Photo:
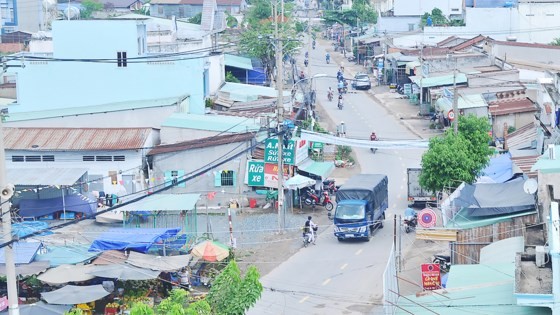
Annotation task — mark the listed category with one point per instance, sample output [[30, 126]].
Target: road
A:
[[345, 277]]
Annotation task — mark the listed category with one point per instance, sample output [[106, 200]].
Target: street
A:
[[345, 277]]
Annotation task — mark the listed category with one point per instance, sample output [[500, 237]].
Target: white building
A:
[[419, 7]]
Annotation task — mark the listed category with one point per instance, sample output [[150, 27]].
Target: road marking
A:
[[304, 299], [343, 266], [358, 252], [326, 281]]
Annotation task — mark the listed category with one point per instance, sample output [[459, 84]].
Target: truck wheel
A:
[[329, 206], [340, 239], [369, 232], [380, 223]]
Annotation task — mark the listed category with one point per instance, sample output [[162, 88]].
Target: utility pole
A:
[[455, 96], [421, 98], [7, 192], [280, 120]]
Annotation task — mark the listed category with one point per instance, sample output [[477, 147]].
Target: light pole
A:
[[309, 93]]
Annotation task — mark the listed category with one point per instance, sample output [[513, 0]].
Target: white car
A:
[[361, 81]]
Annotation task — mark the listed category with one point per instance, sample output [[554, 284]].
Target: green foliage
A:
[[231, 21], [455, 158], [260, 10], [89, 7], [438, 19], [231, 78], [230, 294], [364, 12], [141, 309], [197, 19], [361, 10], [555, 42], [75, 311]]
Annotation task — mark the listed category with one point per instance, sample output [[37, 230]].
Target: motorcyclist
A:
[[309, 228], [328, 57], [302, 75], [340, 101], [306, 62], [313, 44], [373, 136], [340, 87], [306, 55], [330, 93], [339, 75]]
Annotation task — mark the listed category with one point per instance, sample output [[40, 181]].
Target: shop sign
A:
[[431, 277], [271, 152], [255, 173]]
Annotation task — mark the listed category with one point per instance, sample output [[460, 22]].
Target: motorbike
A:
[[306, 62], [330, 186], [443, 261], [328, 60], [340, 105], [410, 223], [312, 199], [351, 58], [307, 236], [330, 96], [313, 45]]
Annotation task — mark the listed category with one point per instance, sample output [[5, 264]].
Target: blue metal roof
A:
[[71, 254], [230, 124], [24, 252]]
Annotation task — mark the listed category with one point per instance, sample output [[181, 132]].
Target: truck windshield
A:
[[350, 212]]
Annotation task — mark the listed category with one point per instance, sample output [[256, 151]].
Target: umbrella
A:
[[73, 294], [210, 251], [123, 272], [40, 308], [298, 182], [66, 273], [161, 263]]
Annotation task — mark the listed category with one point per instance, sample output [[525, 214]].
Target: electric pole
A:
[[280, 118], [455, 96]]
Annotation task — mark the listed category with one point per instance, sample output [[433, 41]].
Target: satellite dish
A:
[[530, 186]]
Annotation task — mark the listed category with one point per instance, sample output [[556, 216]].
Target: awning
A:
[[320, 169], [298, 182], [66, 273], [40, 207], [136, 239], [25, 228], [159, 263], [24, 252], [71, 254], [443, 80], [44, 176], [123, 272], [72, 294], [110, 257], [30, 269], [164, 202]]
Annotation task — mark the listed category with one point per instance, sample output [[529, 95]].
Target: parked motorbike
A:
[[329, 185], [410, 222], [312, 199], [443, 261], [351, 58]]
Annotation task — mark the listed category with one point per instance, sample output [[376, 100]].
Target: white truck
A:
[[416, 195]]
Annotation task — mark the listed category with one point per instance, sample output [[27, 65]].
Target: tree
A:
[[89, 7], [438, 19], [230, 294], [555, 42], [231, 78], [197, 19], [455, 158]]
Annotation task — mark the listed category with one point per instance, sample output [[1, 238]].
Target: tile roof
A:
[[120, 3], [519, 44], [58, 139], [447, 40], [522, 136], [511, 106], [525, 163], [468, 43], [202, 143]]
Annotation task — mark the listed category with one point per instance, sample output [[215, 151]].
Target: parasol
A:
[[73, 294], [210, 251], [123, 272]]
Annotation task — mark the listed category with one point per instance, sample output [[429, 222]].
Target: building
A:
[[418, 8], [189, 8], [510, 111], [72, 76]]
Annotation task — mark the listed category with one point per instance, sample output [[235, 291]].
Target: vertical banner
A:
[[431, 277]]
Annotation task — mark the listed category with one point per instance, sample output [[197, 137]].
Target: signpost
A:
[[431, 277]]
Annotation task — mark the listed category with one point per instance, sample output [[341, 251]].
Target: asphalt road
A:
[[345, 277]]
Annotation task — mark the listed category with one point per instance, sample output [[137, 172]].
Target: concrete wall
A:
[[419, 7], [443, 64], [47, 85], [515, 120], [550, 55], [29, 15], [193, 160], [539, 22], [397, 23], [492, 78], [545, 180]]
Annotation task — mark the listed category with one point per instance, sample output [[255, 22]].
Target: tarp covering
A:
[[360, 143], [164, 202], [500, 169], [123, 272], [72, 294], [30, 269], [370, 187], [41, 207], [71, 254], [161, 263], [66, 273], [41, 308], [495, 199], [24, 252], [22, 229], [134, 239]]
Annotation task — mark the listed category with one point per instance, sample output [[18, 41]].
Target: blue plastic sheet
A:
[[137, 239]]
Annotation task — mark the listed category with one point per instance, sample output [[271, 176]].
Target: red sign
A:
[[3, 303], [451, 115], [431, 277]]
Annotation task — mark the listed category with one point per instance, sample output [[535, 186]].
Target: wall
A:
[[216, 68], [492, 78], [174, 135], [545, 198], [419, 7], [194, 160], [397, 23], [179, 10], [443, 64], [515, 120], [550, 55], [29, 15], [51, 85], [535, 19]]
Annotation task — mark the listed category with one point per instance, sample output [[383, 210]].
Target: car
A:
[[361, 81]]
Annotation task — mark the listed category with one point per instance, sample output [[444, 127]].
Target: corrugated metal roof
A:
[[511, 106], [439, 81], [63, 139], [240, 92], [44, 176], [202, 143], [522, 136], [164, 202], [238, 62], [219, 123]]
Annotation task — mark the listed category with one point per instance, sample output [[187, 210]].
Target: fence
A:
[[390, 285]]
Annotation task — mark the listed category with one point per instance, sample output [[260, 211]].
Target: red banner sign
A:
[[431, 277], [3, 303]]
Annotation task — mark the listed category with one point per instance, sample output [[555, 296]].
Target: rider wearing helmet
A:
[[310, 227]]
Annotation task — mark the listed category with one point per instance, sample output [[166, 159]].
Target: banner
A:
[[431, 277]]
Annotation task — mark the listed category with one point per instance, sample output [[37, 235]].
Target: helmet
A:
[[342, 123], [309, 218]]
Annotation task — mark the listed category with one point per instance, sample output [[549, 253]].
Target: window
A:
[[160, 9], [118, 158], [173, 178], [227, 178], [454, 10], [17, 158], [88, 158], [411, 26], [48, 158], [103, 158], [32, 158], [121, 58], [114, 178]]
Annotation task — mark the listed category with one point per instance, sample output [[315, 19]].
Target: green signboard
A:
[[255, 173], [317, 145], [271, 152]]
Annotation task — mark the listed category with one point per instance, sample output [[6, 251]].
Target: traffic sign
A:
[[428, 218], [451, 115]]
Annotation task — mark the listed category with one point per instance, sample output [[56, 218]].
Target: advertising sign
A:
[[3, 303], [255, 173], [302, 151], [271, 175], [431, 277], [271, 152], [407, 88]]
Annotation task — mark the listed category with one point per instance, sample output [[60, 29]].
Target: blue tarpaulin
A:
[[134, 239], [22, 229], [500, 168], [24, 252], [71, 255], [40, 207]]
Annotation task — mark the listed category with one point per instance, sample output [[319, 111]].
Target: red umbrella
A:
[[210, 251]]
